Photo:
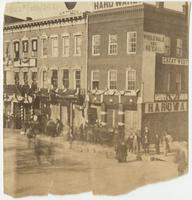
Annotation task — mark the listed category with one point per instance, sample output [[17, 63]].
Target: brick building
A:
[[137, 58], [47, 55]]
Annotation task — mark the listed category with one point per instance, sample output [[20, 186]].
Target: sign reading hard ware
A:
[[165, 107], [154, 42], [174, 61], [100, 5]]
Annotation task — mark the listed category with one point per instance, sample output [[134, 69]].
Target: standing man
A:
[[146, 140]]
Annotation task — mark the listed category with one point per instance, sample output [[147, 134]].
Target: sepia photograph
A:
[[95, 96]]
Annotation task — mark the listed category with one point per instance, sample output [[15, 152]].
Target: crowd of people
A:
[[138, 143]]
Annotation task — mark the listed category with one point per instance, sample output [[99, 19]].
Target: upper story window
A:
[[66, 45], [16, 50], [131, 42], [77, 79], [54, 46], [25, 46], [44, 49], [94, 80], [34, 47], [96, 42], [54, 78], [112, 79], [167, 46], [112, 49], [131, 79], [66, 78], [78, 43], [178, 81], [179, 47]]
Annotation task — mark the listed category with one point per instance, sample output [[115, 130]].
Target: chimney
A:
[[28, 19], [159, 4]]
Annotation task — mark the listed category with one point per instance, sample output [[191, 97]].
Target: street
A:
[[83, 168]]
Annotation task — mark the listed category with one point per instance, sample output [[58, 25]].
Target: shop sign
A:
[[26, 62], [100, 5], [174, 61], [154, 42], [166, 107], [171, 97]]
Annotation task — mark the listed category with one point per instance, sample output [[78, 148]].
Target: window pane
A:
[[66, 78], [78, 41], [131, 42], [78, 79], [96, 44], [112, 79], [25, 46], [112, 44], [131, 80], [66, 45], [55, 46]]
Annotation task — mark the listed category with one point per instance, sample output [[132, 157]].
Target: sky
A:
[[44, 9]]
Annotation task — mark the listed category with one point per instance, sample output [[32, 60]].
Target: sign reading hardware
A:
[[164, 107], [109, 5], [174, 61]]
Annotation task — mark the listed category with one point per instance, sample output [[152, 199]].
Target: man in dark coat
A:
[[121, 152], [146, 140]]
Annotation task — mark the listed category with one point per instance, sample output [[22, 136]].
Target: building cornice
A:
[[58, 21]]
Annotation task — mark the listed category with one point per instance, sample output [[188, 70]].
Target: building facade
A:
[[49, 57], [124, 65], [137, 55]]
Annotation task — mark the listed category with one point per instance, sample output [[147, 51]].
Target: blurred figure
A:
[[130, 142], [146, 140], [30, 135], [181, 159], [59, 127], [167, 141], [157, 143], [135, 143], [121, 152]]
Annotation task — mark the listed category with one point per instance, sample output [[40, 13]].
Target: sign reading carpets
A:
[[164, 107], [154, 42], [110, 5], [174, 61]]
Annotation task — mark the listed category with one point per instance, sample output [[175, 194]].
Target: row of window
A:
[[54, 78], [95, 79], [96, 46], [113, 44], [112, 79], [132, 45], [44, 47]]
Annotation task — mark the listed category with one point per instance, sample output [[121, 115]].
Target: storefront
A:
[[168, 115]]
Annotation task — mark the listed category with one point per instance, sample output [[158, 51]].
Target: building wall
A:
[[167, 22], [60, 62], [117, 22]]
